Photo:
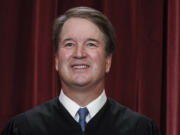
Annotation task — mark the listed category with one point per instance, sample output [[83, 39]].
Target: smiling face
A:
[[81, 59]]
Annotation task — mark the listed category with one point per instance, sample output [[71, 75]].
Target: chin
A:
[[81, 84]]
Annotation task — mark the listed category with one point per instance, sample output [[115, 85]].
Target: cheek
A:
[[56, 63], [99, 60], [63, 55], [60, 61]]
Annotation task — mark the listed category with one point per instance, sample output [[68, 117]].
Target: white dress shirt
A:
[[93, 107]]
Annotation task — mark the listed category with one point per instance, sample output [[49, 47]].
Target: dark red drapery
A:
[[173, 68], [145, 73]]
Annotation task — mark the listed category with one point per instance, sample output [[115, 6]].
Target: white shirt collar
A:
[[93, 107]]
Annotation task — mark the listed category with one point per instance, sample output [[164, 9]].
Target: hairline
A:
[[86, 18]]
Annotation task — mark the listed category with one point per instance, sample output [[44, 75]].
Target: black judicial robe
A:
[[51, 118]]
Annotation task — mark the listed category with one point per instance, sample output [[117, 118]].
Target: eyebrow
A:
[[92, 39], [89, 39], [67, 39]]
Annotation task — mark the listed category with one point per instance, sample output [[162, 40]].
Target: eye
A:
[[68, 44], [92, 44]]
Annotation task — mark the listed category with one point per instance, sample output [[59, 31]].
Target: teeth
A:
[[80, 66]]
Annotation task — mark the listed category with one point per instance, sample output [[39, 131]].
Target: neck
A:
[[83, 96]]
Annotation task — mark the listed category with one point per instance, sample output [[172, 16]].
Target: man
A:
[[84, 43]]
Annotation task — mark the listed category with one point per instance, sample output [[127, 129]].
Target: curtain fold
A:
[[26, 56], [173, 68]]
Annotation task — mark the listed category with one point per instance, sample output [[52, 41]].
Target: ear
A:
[[108, 62], [56, 63]]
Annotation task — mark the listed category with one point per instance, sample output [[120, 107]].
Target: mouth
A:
[[83, 66]]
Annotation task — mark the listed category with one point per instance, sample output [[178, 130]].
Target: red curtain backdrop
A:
[[145, 73], [173, 68]]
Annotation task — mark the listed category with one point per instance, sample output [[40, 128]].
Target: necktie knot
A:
[[82, 116]]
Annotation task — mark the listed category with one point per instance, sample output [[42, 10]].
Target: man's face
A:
[[81, 60]]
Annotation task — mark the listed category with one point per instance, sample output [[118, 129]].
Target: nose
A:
[[79, 52]]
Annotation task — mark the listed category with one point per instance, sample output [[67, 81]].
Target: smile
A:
[[80, 66]]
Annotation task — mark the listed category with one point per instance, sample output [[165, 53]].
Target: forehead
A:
[[80, 28]]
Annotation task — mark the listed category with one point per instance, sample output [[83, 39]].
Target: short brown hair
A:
[[94, 16]]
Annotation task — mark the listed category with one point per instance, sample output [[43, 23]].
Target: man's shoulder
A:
[[125, 113], [127, 121], [45, 109], [27, 122]]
